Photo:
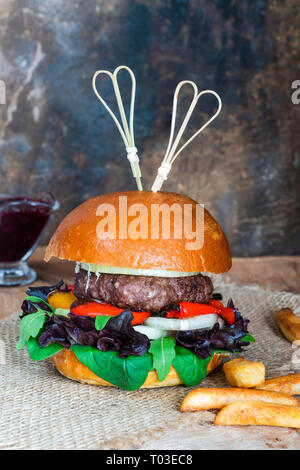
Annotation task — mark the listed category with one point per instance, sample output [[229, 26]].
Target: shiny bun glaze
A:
[[76, 239]]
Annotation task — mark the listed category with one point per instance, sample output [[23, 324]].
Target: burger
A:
[[142, 311]]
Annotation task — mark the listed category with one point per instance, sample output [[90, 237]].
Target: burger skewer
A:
[[127, 132]]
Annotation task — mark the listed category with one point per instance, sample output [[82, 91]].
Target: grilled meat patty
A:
[[142, 293]]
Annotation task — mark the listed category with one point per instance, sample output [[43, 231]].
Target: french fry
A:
[[245, 413], [243, 373], [289, 325], [289, 384], [216, 398]]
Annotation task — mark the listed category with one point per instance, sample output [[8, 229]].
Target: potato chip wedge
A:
[[240, 372], [216, 398], [289, 384], [289, 324], [244, 413]]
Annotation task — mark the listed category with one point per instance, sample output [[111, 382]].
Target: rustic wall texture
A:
[[55, 135]]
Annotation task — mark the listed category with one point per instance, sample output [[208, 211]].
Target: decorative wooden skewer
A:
[[126, 131], [171, 154]]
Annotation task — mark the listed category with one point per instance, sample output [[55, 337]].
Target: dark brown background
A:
[[56, 136]]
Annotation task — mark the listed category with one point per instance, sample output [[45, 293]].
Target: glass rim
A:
[[45, 199]]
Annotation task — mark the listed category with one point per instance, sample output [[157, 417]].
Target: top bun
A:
[[76, 238]]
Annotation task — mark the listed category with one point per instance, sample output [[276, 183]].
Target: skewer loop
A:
[[126, 131], [171, 154]]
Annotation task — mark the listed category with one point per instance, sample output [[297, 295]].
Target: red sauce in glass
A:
[[22, 220]]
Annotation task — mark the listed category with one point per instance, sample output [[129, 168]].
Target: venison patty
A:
[[142, 293]]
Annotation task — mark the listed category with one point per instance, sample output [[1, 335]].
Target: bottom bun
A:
[[68, 365]]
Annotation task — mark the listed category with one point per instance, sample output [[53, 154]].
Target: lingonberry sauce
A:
[[22, 220]]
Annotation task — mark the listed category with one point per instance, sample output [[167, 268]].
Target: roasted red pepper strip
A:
[[191, 309], [216, 303], [226, 312], [93, 309]]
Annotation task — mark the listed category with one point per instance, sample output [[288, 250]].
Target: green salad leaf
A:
[[37, 353], [163, 353], [190, 368], [249, 338], [30, 326], [127, 373], [100, 321]]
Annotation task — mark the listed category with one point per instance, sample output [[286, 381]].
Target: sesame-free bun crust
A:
[[68, 365], [76, 238]]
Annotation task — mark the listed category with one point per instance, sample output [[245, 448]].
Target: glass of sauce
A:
[[23, 220]]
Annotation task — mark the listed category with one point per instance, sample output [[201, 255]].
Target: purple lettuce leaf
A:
[[69, 330], [28, 307], [119, 335], [203, 342], [43, 291]]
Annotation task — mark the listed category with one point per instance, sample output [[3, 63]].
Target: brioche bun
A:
[[76, 238], [68, 365]]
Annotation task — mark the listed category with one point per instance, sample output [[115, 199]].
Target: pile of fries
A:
[[270, 403], [241, 406]]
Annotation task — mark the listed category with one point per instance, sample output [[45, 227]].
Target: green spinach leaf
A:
[[127, 373], [30, 326], [100, 321], [190, 368], [249, 338], [163, 353], [37, 353]]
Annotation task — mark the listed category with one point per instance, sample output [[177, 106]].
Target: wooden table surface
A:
[[279, 273]]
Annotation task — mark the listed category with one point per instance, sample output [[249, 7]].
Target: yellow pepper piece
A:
[[61, 299]]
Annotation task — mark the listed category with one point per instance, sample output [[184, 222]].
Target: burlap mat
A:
[[42, 410]]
